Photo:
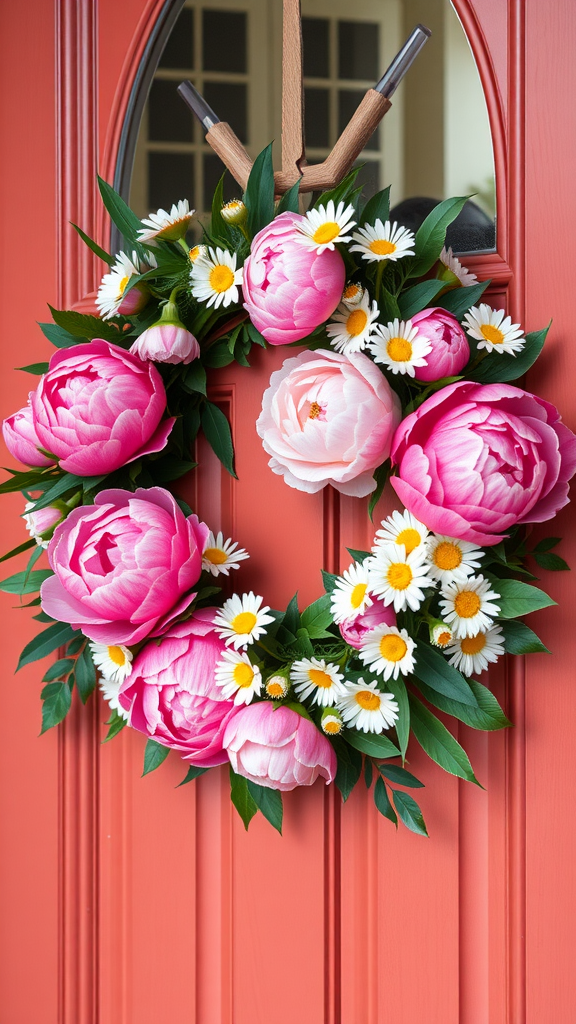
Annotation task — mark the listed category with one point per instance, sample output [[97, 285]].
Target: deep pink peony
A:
[[475, 459], [124, 566], [99, 407], [450, 348], [278, 748], [288, 289], [22, 440], [354, 630], [328, 419], [172, 696], [166, 343]]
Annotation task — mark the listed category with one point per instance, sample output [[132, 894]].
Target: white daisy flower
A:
[[234, 212], [316, 678], [472, 654], [110, 691], [383, 241], [468, 606], [399, 347], [241, 620], [455, 273], [214, 278], [366, 708], [452, 559], [401, 528], [440, 634], [352, 295], [113, 285], [350, 597], [331, 722], [492, 330], [197, 252], [388, 651], [397, 577], [219, 556], [237, 677], [113, 663], [351, 329], [277, 686], [167, 226], [322, 228]]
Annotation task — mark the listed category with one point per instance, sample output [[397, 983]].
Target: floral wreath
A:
[[405, 377]]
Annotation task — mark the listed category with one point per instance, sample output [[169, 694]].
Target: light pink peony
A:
[[354, 630], [288, 289], [278, 748], [166, 343], [475, 459], [124, 566], [172, 696], [450, 348], [99, 407], [328, 419], [21, 439]]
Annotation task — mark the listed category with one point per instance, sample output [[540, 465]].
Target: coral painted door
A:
[[128, 901]]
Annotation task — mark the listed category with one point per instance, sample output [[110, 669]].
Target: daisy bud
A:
[[234, 212], [278, 684], [352, 295], [167, 341], [197, 252], [41, 524], [331, 722], [440, 634]]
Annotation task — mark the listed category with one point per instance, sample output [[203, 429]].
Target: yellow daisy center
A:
[[122, 285], [326, 232], [356, 322], [314, 411], [221, 278], [473, 644], [368, 700], [492, 334], [332, 725], [194, 253], [443, 639], [358, 594], [244, 622], [399, 349], [392, 647], [275, 689], [243, 674], [399, 575], [320, 678], [351, 291], [215, 555], [467, 604], [116, 654], [381, 247], [447, 555], [410, 538]]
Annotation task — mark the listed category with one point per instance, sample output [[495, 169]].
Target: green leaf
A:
[[381, 476], [358, 555], [382, 802], [547, 543], [289, 201], [218, 226], [377, 208], [259, 194], [97, 249], [368, 772], [18, 550], [60, 668], [241, 798], [83, 325], [341, 192], [349, 767], [154, 755], [500, 367], [550, 561], [76, 644], [217, 432], [372, 744], [329, 581], [409, 812], [67, 482], [194, 377], [316, 617], [35, 368], [459, 300], [488, 716], [19, 584], [400, 776], [32, 480], [45, 642], [418, 297], [520, 639], [59, 337], [518, 598], [291, 620], [116, 723], [397, 688], [57, 698], [269, 802], [85, 674], [431, 234], [192, 773], [126, 221], [438, 743], [433, 669]]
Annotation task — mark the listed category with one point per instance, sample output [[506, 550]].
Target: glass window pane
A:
[[170, 178], [369, 177], [224, 41], [316, 47], [348, 100], [169, 119], [316, 111], [179, 49], [358, 50], [213, 170], [229, 101]]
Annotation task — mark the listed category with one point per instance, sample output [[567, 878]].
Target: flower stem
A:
[[379, 274]]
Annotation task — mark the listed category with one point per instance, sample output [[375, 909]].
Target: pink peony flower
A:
[[450, 348], [124, 567], [354, 630], [288, 289], [171, 694], [166, 343], [328, 419], [21, 439], [99, 407], [476, 459], [278, 748]]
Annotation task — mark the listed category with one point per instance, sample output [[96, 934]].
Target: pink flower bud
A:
[[166, 343], [450, 349], [41, 524], [21, 439]]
